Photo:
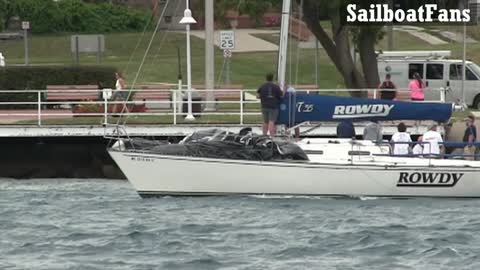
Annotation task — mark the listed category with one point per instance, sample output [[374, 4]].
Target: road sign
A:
[[227, 40], [25, 25], [227, 53]]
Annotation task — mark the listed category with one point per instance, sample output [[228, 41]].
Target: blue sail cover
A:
[[316, 108]]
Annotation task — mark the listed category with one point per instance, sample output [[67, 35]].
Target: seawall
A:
[[65, 157]]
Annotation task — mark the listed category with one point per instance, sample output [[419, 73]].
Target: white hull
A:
[[153, 175]]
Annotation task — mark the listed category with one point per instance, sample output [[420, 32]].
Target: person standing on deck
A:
[[270, 96], [470, 137], [416, 88]]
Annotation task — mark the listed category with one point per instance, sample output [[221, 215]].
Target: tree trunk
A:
[[366, 46], [338, 48]]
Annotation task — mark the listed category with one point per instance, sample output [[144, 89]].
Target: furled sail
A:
[[298, 108]]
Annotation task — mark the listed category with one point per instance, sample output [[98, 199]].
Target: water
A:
[[101, 224]]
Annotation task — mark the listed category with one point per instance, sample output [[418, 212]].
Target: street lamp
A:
[[187, 20]]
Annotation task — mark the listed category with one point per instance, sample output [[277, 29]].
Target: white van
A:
[[437, 70]]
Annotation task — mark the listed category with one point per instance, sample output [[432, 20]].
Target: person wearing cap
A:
[[470, 137], [431, 140]]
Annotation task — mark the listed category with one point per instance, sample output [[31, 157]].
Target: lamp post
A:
[[188, 20]]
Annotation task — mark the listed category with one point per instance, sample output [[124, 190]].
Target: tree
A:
[[338, 46]]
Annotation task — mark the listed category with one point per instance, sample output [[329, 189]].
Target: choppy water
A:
[[101, 224]]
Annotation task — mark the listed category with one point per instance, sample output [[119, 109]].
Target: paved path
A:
[[419, 33], [245, 41], [13, 116], [456, 37]]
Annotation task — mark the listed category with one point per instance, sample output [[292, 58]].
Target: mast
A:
[[282, 50]]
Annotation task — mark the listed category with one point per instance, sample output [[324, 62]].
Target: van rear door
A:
[[435, 79]]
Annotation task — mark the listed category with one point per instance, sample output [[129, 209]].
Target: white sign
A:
[[25, 25], [227, 40], [227, 53], [87, 43]]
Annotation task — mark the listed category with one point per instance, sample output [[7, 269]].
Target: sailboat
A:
[[221, 163]]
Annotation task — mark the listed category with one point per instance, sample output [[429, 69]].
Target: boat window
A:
[[313, 152], [359, 153], [412, 68], [435, 71], [456, 73]]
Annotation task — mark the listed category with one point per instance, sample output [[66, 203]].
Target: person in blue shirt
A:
[[346, 130], [270, 96]]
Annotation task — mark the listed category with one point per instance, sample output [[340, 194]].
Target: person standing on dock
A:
[[270, 96], [470, 137], [120, 94], [2, 60], [387, 89], [416, 87]]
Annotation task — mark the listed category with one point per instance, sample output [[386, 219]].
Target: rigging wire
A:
[[300, 32], [130, 59], [124, 107], [219, 78], [164, 37]]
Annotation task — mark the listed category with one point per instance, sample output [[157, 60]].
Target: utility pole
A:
[[209, 56], [390, 29]]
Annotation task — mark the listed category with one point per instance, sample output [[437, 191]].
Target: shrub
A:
[[38, 77], [48, 16]]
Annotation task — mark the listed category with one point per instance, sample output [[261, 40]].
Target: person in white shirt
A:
[[431, 139], [401, 141], [417, 150], [2, 60]]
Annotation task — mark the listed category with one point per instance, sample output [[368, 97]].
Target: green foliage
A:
[[47, 16], [38, 77]]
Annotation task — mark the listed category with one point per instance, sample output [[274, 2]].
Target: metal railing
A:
[[44, 107]]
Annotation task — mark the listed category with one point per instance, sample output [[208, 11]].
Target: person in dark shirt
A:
[[470, 137], [390, 94], [270, 96], [345, 130]]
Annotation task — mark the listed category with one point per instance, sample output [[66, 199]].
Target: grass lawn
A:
[[161, 63]]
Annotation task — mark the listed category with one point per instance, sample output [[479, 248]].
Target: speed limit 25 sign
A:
[[227, 40]]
